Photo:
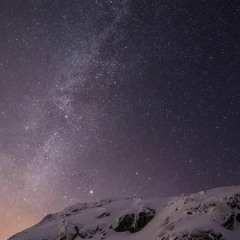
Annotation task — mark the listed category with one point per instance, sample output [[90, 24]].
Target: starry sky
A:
[[115, 98]]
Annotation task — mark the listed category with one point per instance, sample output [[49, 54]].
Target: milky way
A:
[[113, 99]]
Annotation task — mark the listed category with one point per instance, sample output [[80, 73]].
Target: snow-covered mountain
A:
[[210, 215]]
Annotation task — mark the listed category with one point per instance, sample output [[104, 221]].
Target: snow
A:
[[175, 218]]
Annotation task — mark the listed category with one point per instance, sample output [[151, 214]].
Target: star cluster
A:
[[105, 98]]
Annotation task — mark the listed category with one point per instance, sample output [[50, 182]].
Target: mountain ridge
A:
[[207, 215]]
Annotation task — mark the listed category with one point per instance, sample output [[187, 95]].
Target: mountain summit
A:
[[206, 215]]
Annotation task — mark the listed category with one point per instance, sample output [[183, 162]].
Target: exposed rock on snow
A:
[[198, 235], [135, 222], [207, 215], [223, 215]]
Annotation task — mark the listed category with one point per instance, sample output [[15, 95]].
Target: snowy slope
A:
[[210, 215]]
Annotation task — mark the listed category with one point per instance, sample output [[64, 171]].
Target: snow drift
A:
[[207, 215]]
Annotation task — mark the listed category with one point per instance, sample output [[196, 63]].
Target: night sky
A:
[[115, 98]]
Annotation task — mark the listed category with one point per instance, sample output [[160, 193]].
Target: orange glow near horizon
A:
[[15, 219]]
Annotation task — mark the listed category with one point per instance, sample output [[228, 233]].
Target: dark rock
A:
[[106, 214], [86, 233], [224, 215], [125, 223], [229, 224], [75, 210], [135, 222], [201, 235], [196, 235], [49, 217], [64, 236], [216, 236], [238, 217], [233, 201]]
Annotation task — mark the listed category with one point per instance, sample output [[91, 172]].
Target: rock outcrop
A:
[[133, 222]]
